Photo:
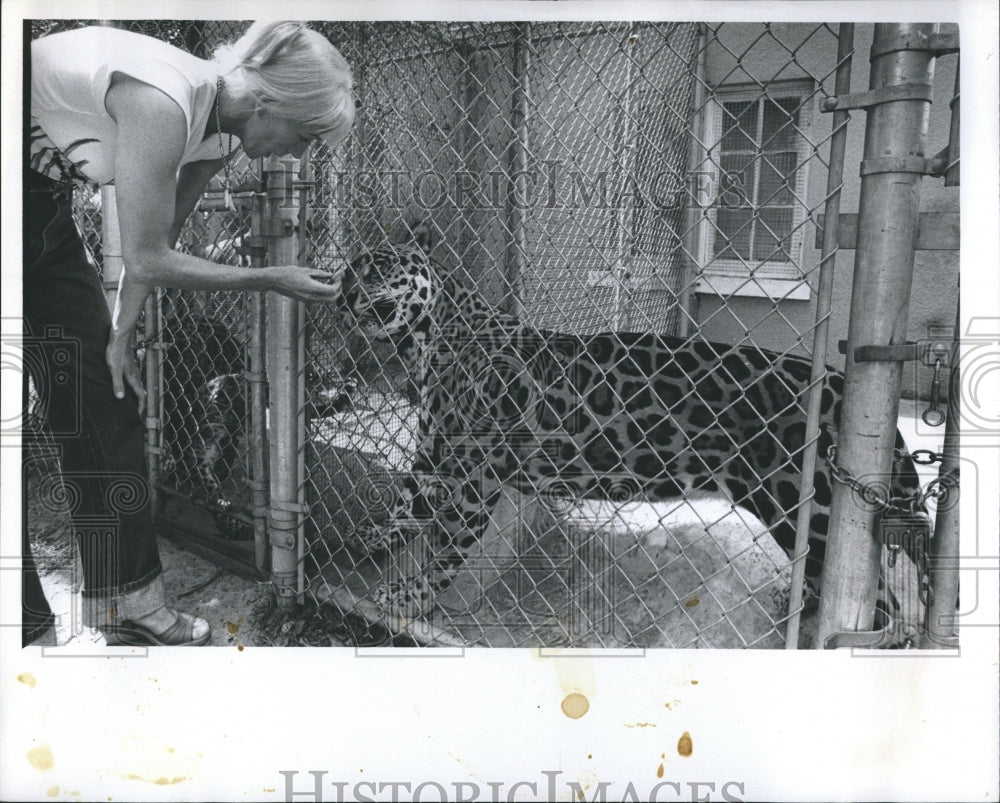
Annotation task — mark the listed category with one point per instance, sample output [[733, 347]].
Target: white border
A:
[[221, 725]]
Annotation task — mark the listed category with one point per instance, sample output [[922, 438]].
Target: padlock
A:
[[904, 531]]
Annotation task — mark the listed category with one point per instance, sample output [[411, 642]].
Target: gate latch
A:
[[928, 353]]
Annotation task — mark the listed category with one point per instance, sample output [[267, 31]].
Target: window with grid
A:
[[758, 150]]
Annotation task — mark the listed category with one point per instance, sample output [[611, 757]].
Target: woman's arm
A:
[[132, 295], [191, 182], [151, 140]]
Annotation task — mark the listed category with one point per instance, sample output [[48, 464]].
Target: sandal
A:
[[179, 634]]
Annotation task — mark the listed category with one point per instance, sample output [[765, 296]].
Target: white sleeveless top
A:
[[73, 138]]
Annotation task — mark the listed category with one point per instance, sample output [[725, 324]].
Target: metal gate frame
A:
[[897, 103]]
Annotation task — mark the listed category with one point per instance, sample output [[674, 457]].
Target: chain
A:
[[922, 457], [938, 489]]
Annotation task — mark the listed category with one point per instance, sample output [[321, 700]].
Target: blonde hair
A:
[[291, 71]]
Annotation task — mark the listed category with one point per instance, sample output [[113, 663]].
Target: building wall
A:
[[934, 294]]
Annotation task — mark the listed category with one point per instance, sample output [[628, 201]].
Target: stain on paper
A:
[[685, 746], [576, 679], [575, 705], [158, 781], [27, 679], [41, 758]]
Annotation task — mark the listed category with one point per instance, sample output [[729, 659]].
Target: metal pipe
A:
[[420, 630], [943, 550], [257, 381], [154, 420], [516, 267], [283, 316], [895, 133], [693, 215], [953, 168], [625, 210], [301, 436], [821, 331]]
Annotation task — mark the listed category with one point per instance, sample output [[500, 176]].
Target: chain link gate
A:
[[206, 350], [565, 172]]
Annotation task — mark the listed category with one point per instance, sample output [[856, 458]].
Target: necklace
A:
[[226, 154]]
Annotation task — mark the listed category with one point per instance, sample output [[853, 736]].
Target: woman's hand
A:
[[304, 284], [121, 360]]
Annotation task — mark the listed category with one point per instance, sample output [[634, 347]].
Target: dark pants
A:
[[100, 439]]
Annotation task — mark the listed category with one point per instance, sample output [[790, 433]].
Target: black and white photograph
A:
[[514, 401]]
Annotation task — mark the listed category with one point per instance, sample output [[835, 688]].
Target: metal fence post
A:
[[257, 383], [625, 221], [153, 335], [521, 112], [824, 307], [942, 624], [697, 154], [894, 161], [283, 324]]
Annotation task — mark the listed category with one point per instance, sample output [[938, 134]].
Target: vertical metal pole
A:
[[257, 381], [625, 211], [895, 141], [953, 169], [283, 316], [154, 422], [692, 215], [824, 305], [943, 551], [301, 442], [942, 624], [519, 194]]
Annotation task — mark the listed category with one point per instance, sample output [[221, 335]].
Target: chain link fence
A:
[[586, 180]]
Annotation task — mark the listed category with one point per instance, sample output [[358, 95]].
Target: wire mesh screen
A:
[[566, 186], [611, 149]]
